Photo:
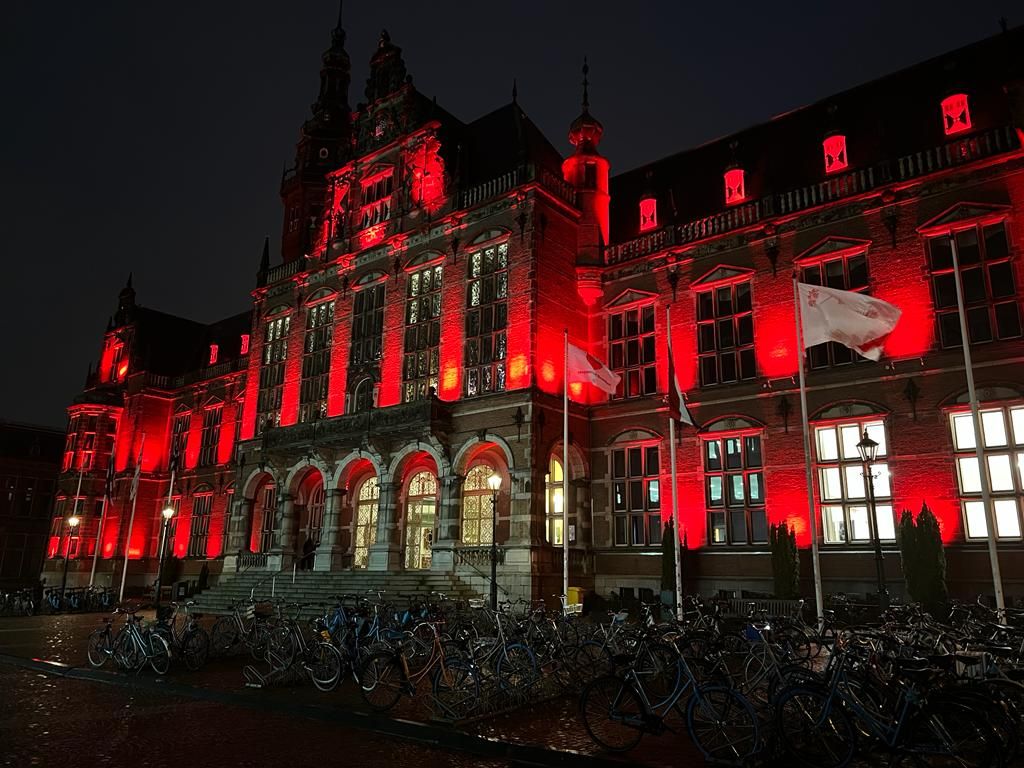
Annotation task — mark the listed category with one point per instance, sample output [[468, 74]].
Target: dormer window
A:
[[956, 116], [835, 153], [735, 186], [648, 214], [244, 346], [376, 200], [214, 352]]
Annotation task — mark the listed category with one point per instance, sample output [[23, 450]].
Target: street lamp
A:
[[868, 449], [168, 513], [494, 483], [73, 522]]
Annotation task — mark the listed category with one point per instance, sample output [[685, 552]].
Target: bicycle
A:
[[185, 637], [319, 660]]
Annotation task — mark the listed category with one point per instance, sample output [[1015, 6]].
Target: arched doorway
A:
[[310, 504], [420, 519], [264, 512], [365, 520]]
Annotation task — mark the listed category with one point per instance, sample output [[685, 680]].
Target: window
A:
[[376, 200], [87, 454], [264, 511], [631, 341], [211, 436], [648, 214], [199, 532], [835, 153], [244, 344], [422, 334], [316, 361], [420, 517], [69, 445], [553, 502], [956, 115], [848, 273], [362, 400], [636, 495], [989, 291], [477, 516], [214, 353], [1003, 449], [367, 325], [725, 334], [842, 487], [734, 490], [367, 501], [735, 188], [316, 505], [179, 437], [486, 318], [271, 384]]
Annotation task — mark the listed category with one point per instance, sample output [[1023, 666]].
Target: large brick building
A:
[[408, 344]]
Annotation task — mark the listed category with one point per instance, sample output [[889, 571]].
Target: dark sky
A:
[[151, 136]]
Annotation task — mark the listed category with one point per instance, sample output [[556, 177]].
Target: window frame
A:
[[425, 332], [317, 343], [485, 344], [475, 487], [831, 354], [213, 417], [742, 352], [273, 361], [638, 378], [625, 517], [745, 470], [199, 524]]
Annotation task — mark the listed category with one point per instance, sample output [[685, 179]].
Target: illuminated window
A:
[[554, 501], [989, 290], [734, 490], [214, 352], [842, 488], [244, 344], [179, 436], [420, 519], [376, 200], [211, 436], [725, 334], [1003, 449], [477, 527], [367, 500], [271, 384], [848, 273], [69, 445], [956, 116], [631, 344], [835, 153], [316, 361], [422, 334], [199, 525], [367, 325], [648, 214], [735, 187], [486, 319], [636, 495]]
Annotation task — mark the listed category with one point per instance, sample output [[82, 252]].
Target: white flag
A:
[[587, 368], [854, 320]]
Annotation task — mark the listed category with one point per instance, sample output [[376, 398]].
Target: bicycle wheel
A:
[[223, 636], [381, 680], [722, 724], [456, 689], [100, 647], [812, 730], [195, 648], [280, 648], [612, 713], [324, 665], [592, 661], [127, 654], [949, 734], [659, 671], [517, 668], [159, 653]]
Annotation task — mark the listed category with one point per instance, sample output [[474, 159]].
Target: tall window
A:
[[211, 436], [422, 334], [179, 437], [554, 502], [631, 338], [734, 490], [69, 445], [275, 352], [376, 200], [316, 361], [849, 273], [477, 520], [989, 291], [725, 334], [264, 510], [636, 495], [367, 325], [88, 451], [843, 487], [420, 517], [367, 501], [199, 532], [315, 508], [486, 319], [1003, 448]]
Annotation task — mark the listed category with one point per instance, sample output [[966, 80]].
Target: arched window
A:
[[477, 516], [553, 501], [199, 528], [420, 514], [367, 500], [363, 399], [264, 510], [315, 510]]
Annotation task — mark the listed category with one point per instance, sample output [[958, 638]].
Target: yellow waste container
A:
[[575, 595]]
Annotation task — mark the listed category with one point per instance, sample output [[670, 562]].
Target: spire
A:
[[586, 83], [335, 76], [125, 300], [387, 69], [586, 130], [265, 258], [338, 29], [515, 92]]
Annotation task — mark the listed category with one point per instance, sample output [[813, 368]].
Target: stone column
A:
[[329, 555], [449, 527], [386, 553], [238, 526]]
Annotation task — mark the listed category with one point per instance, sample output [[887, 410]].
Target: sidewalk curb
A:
[[407, 730]]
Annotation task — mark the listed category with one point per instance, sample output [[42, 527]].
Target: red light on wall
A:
[[373, 235], [648, 214], [214, 351], [735, 188], [245, 345], [956, 116], [122, 370], [835, 153]]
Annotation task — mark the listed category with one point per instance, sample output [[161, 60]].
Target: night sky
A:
[[150, 137]]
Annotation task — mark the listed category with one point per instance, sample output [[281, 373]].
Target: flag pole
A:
[[565, 470], [986, 494], [99, 537], [131, 519], [675, 480], [819, 603]]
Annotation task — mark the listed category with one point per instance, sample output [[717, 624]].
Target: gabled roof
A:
[[502, 141]]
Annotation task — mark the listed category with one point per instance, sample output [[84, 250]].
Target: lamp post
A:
[[73, 522], [168, 513], [494, 483], [868, 449]]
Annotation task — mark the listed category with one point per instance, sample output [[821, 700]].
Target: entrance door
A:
[[420, 519]]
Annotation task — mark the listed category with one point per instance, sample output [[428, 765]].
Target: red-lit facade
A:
[[410, 342]]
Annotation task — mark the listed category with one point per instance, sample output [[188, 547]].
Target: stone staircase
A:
[[321, 587]]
